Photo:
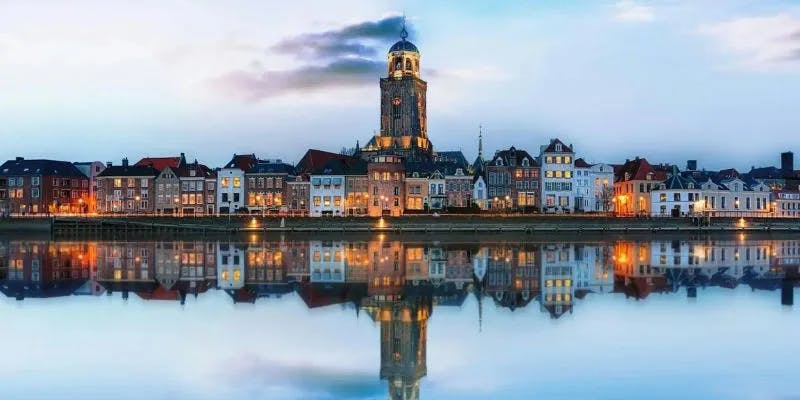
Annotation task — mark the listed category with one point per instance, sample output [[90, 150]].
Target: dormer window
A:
[[558, 146], [525, 162], [499, 162], [663, 186], [691, 186]]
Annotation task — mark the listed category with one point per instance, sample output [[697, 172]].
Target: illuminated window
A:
[[237, 182], [237, 274], [558, 160], [567, 160], [548, 160], [224, 182], [567, 282], [117, 182]]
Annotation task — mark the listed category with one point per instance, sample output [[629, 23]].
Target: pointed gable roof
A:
[[553, 147], [637, 170], [676, 181], [513, 157]]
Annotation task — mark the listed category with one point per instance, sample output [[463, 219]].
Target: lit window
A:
[[237, 182]]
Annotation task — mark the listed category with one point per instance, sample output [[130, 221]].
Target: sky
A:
[[670, 80]]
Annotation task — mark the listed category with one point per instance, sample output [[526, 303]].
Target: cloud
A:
[[341, 58], [358, 40], [765, 42], [254, 86], [631, 11]]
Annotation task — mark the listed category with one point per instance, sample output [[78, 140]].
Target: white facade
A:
[[479, 194], [787, 204], [437, 194], [592, 270], [582, 184], [327, 195], [327, 261], [230, 266], [733, 198], [557, 171], [674, 202], [230, 190], [601, 177]]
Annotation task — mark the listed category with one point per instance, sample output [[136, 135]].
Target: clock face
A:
[[396, 101]]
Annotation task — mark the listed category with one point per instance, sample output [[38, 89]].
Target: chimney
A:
[[20, 158], [108, 164], [691, 165], [125, 162]]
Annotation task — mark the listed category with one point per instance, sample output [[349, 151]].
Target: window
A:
[[316, 201], [35, 181], [548, 174], [326, 200], [237, 182], [224, 182], [568, 174], [676, 197], [662, 197], [567, 160], [35, 193], [143, 182], [117, 183], [337, 201]]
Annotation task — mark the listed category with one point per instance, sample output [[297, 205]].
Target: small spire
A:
[[404, 32], [480, 141]]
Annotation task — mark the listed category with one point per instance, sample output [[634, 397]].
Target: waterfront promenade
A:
[[418, 223]]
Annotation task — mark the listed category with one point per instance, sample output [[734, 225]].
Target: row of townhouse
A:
[[659, 190], [554, 181], [161, 186]]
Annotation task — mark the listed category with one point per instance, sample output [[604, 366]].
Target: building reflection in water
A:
[[398, 283]]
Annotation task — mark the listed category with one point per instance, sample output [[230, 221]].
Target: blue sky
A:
[[666, 79]]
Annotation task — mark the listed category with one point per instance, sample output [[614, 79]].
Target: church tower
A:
[[404, 119]]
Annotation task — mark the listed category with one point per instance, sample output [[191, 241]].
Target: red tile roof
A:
[[160, 163], [638, 169], [314, 159]]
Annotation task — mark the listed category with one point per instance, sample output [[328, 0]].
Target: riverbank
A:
[[446, 223]]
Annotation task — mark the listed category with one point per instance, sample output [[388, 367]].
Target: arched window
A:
[[408, 64], [525, 162], [396, 109], [398, 64]]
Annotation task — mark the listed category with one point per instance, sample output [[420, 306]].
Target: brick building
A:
[[512, 180], [386, 177], [265, 186], [126, 189], [35, 187]]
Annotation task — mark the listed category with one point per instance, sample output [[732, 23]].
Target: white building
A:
[[230, 266], [479, 194], [436, 191], [601, 177], [557, 171], [327, 261], [676, 197], [327, 195], [732, 197], [787, 204], [582, 184], [230, 183], [592, 271]]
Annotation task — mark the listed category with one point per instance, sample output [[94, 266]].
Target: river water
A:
[[400, 317]]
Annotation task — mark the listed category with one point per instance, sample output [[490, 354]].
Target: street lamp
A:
[[505, 205], [137, 198], [80, 205], [177, 207]]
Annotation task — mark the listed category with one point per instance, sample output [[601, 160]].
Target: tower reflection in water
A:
[[398, 283]]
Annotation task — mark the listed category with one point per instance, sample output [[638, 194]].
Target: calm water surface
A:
[[400, 317]]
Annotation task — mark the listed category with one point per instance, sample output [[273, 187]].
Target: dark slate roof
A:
[[129, 170], [40, 167], [551, 148], [477, 165], [403, 45], [244, 162], [345, 166], [581, 163], [676, 181], [452, 156], [270, 167], [425, 168], [202, 171], [513, 157]]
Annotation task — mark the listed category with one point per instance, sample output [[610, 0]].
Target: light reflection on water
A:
[[399, 317]]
